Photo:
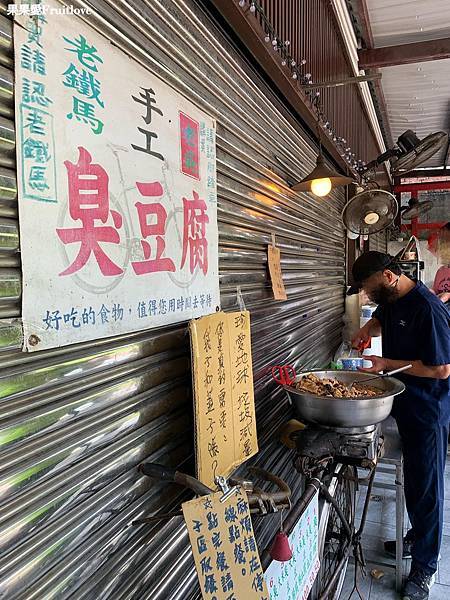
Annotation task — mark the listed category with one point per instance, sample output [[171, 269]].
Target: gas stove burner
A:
[[317, 446], [350, 430]]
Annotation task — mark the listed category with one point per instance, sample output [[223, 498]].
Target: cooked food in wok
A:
[[332, 388]]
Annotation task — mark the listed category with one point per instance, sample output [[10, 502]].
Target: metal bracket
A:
[[240, 299], [227, 491], [343, 81]]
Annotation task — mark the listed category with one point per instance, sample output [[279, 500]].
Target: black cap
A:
[[368, 264]]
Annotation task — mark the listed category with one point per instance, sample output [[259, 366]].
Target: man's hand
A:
[[444, 296], [378, 364], [361, 337]]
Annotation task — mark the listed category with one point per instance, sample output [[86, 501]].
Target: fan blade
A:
[[370, 211], [417, 210], [420, 153]]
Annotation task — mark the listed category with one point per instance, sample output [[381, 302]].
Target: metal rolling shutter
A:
[[378, 242], [76, 421]]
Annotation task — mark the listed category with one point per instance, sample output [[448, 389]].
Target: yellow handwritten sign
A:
[[225, 421], [224, 547], [273, 255]]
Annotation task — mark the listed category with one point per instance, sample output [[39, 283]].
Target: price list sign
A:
[[276, 276], [225, 552]]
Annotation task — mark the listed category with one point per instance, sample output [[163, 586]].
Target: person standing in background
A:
[[441, 285]]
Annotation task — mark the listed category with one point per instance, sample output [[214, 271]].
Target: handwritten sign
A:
[[293, 580], [225, 552], [279, 291], [117, 175], [225, 421]]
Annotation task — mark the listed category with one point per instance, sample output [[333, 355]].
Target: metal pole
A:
[[343, 81], [399, 514]]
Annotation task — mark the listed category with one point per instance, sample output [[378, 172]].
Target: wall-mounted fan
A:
[[369, 211], [416, 209], [410, 151]]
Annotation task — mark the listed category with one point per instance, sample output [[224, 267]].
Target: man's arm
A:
[[418, 369]]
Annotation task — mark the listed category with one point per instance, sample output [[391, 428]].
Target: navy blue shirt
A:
[[417, 327]]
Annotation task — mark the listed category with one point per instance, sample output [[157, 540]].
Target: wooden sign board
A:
[[273, 255], [224, 547], [224, 402]]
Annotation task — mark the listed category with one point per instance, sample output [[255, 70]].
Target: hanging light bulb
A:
[[293, 63], [267, 38], [275, 42], [303, 61], [294, 75], [283, 62], [321, 179], [242, 3], [321, 187], [252, 7]]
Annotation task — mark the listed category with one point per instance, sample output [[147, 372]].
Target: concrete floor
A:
[[381, 526]]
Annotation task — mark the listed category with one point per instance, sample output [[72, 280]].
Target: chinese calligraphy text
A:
[[223, 389]]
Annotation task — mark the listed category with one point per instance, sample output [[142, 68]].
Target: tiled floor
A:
[[381, 526]]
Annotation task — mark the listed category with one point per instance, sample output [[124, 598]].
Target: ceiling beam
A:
[[421, 173], [404, 54], [364, 21], [422, 187]]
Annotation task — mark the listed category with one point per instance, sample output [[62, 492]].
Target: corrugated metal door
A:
[[75, 422], [378, 241]]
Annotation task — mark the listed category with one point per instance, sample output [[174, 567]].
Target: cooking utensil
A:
[[364, 345], [345, 412], [284, 374], [380, 376]]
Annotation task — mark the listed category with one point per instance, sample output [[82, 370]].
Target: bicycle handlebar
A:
[[158, 471], [167, 474], [257, 498]]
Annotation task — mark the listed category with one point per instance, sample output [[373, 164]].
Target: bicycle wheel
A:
[[332, 538]]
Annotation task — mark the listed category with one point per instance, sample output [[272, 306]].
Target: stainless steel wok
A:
[[345, 412]]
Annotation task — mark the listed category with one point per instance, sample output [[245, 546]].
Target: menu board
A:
[[276, 276], [225, 422], [225, 552]]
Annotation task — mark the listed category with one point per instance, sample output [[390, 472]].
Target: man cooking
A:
[[415, 326]]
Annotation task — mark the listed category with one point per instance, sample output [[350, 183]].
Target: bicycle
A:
[[325, 473]]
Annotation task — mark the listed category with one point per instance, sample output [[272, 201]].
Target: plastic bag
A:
[[347, 357]]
